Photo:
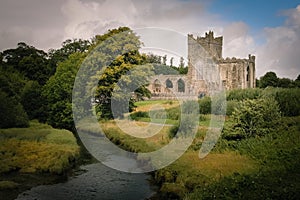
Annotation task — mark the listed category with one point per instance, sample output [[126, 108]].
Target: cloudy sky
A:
[[268, 29]]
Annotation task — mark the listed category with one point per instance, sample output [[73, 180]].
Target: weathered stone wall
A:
[[211, 44], [207, 71], [169, 85], [237, 73]]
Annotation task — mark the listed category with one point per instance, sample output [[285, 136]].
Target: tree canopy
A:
[[270, 79], [58, 92], [29, 61], [115, 54]]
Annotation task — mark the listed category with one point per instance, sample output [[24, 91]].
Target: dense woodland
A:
[[262, 124], [38, 85]]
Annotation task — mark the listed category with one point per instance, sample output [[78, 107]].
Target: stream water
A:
[[97, 182]]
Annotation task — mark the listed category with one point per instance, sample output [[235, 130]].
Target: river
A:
[[96, 182]]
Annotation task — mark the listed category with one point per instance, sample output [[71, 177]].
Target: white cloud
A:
[[87, 18], [281, 52], [237, 40], [45, 24], [96, 17]]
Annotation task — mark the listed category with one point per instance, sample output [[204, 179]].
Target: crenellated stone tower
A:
[[207, 71], [205, 61], [211, 44]]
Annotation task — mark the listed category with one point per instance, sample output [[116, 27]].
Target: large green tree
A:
[[117, 54], [12, 113], [269, 79], [68, 47], [285, 83], [297, 81], [58, 92], [31, 62], [11, 81], [32, 100]]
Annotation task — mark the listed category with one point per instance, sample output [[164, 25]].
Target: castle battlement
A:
[[207, 69], [211, 44], [209, 37], [250, 58]]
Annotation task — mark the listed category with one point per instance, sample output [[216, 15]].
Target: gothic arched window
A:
[[169, 84], [181, 85]]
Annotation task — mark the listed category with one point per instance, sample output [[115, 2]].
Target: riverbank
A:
[[188, 172], [256, 167], [34, 156], [81, 177]]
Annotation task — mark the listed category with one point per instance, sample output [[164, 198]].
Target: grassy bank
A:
[[260, 167], [39, 148], [188, 172], [39, 154]]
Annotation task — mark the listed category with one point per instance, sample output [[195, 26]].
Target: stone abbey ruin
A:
[[208, 71]]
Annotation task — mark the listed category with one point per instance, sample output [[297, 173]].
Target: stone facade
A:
[[207, 71]]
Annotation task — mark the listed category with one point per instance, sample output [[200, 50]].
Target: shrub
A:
[[170, 113], [203, 117], [241, 94], [218, 104], [212, 105], [288, 99], [231, 106], [205, 105], [172, 191], [173, 131], [139, 114], [173, 113], [256, 116]]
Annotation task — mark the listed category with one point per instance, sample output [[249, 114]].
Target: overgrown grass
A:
[[135, 144], [151, 104], [169, 116], [188, 172], [265, 166], [8, 185], [39, 148], [277, 155]]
